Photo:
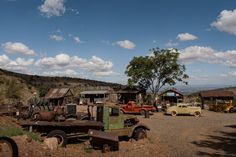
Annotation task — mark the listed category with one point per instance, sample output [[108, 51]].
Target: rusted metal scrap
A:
[[104, 140]]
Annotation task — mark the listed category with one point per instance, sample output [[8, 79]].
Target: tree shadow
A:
[[223, 144]]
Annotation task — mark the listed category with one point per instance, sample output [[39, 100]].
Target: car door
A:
[[185, 109]]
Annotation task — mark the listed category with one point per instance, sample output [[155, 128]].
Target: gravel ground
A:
[[213, 134]]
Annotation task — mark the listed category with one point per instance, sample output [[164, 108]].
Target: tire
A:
[[11, 144], [106, 148], [197, 114], [231, 110], [139, 134], [142, 112], [173, 113], [61, 137], [36, 116]]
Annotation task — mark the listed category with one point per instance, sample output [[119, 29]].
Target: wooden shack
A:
[[59, 96], [171, 96], [210, 97], [95, 96], [127, 94]]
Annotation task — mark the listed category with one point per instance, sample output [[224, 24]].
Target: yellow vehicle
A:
[[222, 106]]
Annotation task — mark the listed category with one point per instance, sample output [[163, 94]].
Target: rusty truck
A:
[[132, 108], [108, 119]]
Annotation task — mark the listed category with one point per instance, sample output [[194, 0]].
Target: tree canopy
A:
[[160, 68]]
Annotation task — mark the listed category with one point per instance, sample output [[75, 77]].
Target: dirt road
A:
[[213, 134]]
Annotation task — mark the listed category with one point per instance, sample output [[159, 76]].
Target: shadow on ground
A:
[[223, 144]]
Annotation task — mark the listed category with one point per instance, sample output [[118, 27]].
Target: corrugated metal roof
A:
[[56, 93], [206, 94], [170, 90], [95, 92]]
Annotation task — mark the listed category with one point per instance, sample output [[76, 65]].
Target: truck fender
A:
[[140, 125]]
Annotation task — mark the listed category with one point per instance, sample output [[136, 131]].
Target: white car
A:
[[184, 109]]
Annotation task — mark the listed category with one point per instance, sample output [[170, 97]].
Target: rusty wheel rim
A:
[[5, 149]]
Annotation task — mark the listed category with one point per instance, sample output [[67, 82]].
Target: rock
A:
[[51, 143]]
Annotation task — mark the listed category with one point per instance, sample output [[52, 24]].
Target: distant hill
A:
[[233, 89], [41, 84]]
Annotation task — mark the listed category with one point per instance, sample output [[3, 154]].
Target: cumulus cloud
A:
[[208, 55], [77, 39], [226, 22], [126, 44], [67, 73], [56, 37], [52, 8], [18, 65], [94, 65], [4, 59], [17, 48], [186, 37]]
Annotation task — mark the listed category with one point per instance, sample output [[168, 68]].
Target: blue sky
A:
[[97, 39]]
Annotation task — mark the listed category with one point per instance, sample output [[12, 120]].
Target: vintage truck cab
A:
[[122, 125]]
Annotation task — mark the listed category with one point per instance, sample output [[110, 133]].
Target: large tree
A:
[[160, 68]]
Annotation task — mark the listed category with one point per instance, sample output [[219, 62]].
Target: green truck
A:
[[108, 119]]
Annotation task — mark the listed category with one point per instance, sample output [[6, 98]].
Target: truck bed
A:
[[75, 126]]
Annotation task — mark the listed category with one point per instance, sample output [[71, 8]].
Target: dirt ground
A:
[[213, 134]]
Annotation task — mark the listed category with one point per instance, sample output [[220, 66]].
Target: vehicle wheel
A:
[[60, 135], [197, 114], [173, 113], [8, 147], [36, 116], [142, 112], [106, 148], [231, 110], [139, 134]]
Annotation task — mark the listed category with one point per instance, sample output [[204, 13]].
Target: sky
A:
[[97, 39]]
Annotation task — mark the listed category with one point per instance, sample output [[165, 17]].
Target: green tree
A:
[[154, 71], [42, 91]]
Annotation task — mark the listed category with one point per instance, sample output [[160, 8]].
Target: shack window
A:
[[114, 112]]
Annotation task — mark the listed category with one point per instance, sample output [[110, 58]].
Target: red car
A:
[[132, 108]]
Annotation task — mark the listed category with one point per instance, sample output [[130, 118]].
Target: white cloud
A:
[[52, 8], [77, 39], [4, 59], [17, 48], [56, 37], [226, 21], [126, 44], [186, 37], [95, 65], [103, 73], [18, 65], [208, 55], [171, 44], [67, 73]]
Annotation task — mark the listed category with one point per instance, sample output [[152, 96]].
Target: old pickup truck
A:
[[108, 119], [132, 108], [184, 109]]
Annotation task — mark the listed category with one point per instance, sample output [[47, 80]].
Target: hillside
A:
[[27, 84], [233, 89]]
